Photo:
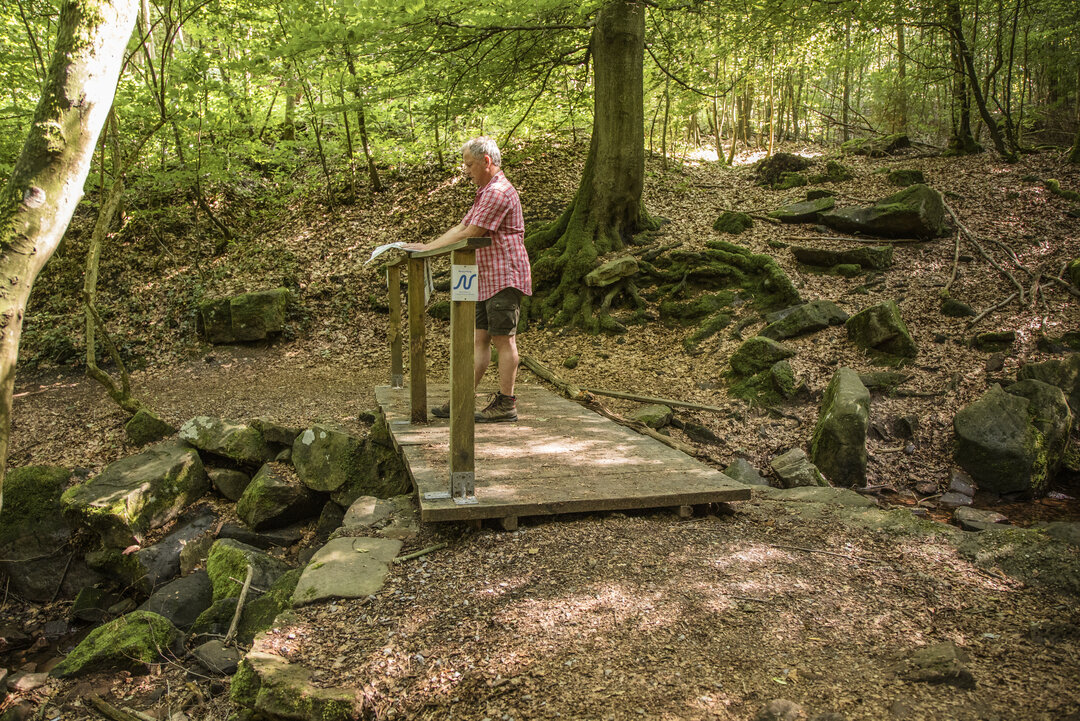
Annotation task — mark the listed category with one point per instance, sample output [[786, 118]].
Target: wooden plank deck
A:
[[558, 458]]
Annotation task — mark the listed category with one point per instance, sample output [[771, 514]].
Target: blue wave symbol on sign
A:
[[465, 282]]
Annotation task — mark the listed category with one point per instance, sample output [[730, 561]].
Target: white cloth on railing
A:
[[429, 284]]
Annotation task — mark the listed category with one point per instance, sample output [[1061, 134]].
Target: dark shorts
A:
[[499, 314]]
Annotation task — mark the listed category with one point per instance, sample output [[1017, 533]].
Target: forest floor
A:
[[639, 615]]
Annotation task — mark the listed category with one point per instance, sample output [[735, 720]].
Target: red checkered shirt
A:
[[505, 263]]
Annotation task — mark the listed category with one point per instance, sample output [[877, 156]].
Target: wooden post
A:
[[397, 372], [417, 359], [462, 390]]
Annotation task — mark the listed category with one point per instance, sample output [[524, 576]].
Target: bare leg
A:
[[508, 362], [481, 355]]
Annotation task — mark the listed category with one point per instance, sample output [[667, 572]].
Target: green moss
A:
[[259, 615], [224, 565], [704, 305], [848, 270], [1055, 187], [733, 223], [709, 328], [994, 341], [31, 494], [129, 642], [790, 180], [757, 354], [572, 362]]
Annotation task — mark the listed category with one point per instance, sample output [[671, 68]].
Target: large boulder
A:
[[838, 447], [228, 563], [33, 535], [880, 328], [276, 497], [757, 354], [872, 257], [148, 568], [915, 212], [1051, 415], [139, 493], [802, 319], [999, 444], [245, 317], [129, 643], [1065, 374], [238, 442], [273, 688], [329, 459], [257, 615], [146, 427], [182, 600], [876, 147], [794, 469], [807, 211], [346, 568]]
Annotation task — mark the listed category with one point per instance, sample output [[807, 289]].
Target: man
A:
[[504, 273]]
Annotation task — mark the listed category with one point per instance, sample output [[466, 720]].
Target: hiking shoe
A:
[[442, 411], [501, 409]]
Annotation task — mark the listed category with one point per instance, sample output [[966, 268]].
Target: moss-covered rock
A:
[[915, 212], [880, 328], [955, 309], [275, 498], [771, 171], [757, 354], [876, 147], [837, 172], [848, 270], [1065, 374], [326, 456], [129, 643], [783, 379], [139, 493], [903, 178], [838, 446], [790, 180], [710, 327], [378, 471], [1073, 271], [228, 562], [245, 317], [999, 446], [239, 442], [612, 271], [439, 310], [145, 427], [229, 482], [1049, 412], [994, 341], [32, 528], [872, 257], [886, 381], [571, 362], [733, 223], [274, 688], [807, 211], [803, 319], [818, 193], [654, 415], [795, 469]]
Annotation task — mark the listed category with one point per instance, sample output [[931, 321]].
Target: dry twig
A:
[[421, 552], [991, 309], [230, 637]]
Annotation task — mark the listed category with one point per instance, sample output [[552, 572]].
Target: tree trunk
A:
[[962, 142], [1074, 154], [901, 74], [47, 182], [965, 55], [845, 130], [607, 209]]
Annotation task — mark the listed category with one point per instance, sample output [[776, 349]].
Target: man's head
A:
[[481, 158]]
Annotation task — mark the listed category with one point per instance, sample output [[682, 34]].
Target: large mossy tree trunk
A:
[[607, 210], [47, 182]]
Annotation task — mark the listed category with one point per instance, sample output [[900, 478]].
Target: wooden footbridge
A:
[[559, 457]]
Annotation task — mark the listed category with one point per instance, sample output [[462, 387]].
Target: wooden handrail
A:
[[462, 333]]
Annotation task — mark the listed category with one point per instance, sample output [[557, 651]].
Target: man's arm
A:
[[458, 232]]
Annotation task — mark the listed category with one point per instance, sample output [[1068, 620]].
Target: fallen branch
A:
[[570, 390], [992, 308], [650, 399], [827, 553], [1072, 289], [955, 263], [230, 637], [108, 710], [421, 552], [984, 254], [766, 218]]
